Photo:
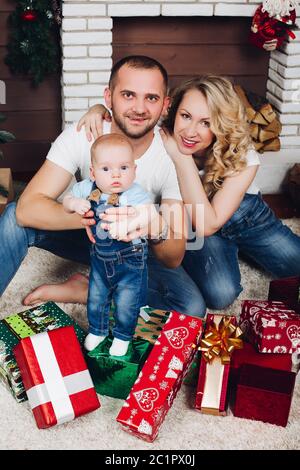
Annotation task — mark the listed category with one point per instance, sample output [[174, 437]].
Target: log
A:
[[264, 124]]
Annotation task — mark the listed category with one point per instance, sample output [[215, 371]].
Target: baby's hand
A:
[[119, 230], [81, 206]]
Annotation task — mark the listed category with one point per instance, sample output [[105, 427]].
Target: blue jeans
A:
[[254, 231], [121, 275], [167, 288]]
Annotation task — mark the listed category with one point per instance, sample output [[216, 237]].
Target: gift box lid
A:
[[249, 355], [274, 380]]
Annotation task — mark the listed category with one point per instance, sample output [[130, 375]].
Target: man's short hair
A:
[[137, 62], [109, 140]]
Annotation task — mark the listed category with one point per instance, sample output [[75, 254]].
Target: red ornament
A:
[[269, 32], [29, 15]]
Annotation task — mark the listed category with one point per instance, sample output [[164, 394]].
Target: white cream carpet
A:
[[184, 428]]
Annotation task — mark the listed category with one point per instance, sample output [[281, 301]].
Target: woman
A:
[[206, 131]]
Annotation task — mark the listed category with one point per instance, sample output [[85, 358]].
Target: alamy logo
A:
[[2, 92]]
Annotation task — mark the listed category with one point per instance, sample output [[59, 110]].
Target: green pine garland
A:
[[33, 48]]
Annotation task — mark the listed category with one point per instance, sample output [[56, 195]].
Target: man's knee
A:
[[8, 219], [192, 304], [223, 295], [8, 224], [195, 307]]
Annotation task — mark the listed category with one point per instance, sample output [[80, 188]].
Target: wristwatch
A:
[[162, 236]]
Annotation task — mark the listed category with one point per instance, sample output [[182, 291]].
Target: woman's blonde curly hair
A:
[[226, 156]]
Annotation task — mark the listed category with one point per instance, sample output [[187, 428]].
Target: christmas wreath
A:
[[33, 47]]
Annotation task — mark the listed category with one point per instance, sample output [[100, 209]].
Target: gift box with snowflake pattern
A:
[[272, 327], [160, 379], [17, 326]]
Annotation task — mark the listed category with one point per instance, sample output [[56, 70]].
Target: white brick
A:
[[291, 47], [74, 78], [74, 116], [99, 77], [75, 51], [286, 84], [100, 23], [284, 107], [279, 57], [87, 38], [284, 59], [129, 9], [284, 95], [177, 9], [99, 100], [290, 141], [297, 38], [100, 51], [289, 130], [223, 9], [83, 9], [84, 90], [76, 103], [87, 64], [74, 24], [285, 72], [289, 118]]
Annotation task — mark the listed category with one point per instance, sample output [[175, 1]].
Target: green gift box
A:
[[150, 323], [114, 376], [15, 327]]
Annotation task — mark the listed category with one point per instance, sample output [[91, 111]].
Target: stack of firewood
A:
[[264, 124]]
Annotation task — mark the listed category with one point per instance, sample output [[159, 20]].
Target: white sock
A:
[[91, 341], [118, 347]]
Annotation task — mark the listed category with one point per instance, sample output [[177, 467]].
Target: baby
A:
[[118, 268]]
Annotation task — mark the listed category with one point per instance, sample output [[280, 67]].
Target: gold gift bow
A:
[[221, 340]]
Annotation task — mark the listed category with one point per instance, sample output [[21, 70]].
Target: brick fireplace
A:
[[87, 60]]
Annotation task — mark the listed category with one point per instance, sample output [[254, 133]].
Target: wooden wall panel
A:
[[189, 47], [33, 113]]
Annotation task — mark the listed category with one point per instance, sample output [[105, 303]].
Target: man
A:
[[137, 96]]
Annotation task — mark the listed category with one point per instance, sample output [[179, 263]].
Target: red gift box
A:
[[156, 387], [58, 385], [271, 326], [287, 290], [249, 355], [264, 394], [211, 396]]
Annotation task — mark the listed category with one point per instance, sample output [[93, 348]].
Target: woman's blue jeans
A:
[[253, 231], [167, 288]]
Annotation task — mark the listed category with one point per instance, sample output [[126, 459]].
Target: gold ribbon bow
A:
[[221, 340]]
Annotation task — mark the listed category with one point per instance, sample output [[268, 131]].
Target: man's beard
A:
[[127, 131]]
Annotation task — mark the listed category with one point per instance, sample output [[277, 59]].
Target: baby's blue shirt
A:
[[133, 196]]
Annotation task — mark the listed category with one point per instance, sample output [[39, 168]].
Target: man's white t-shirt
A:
[[155, 170]]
